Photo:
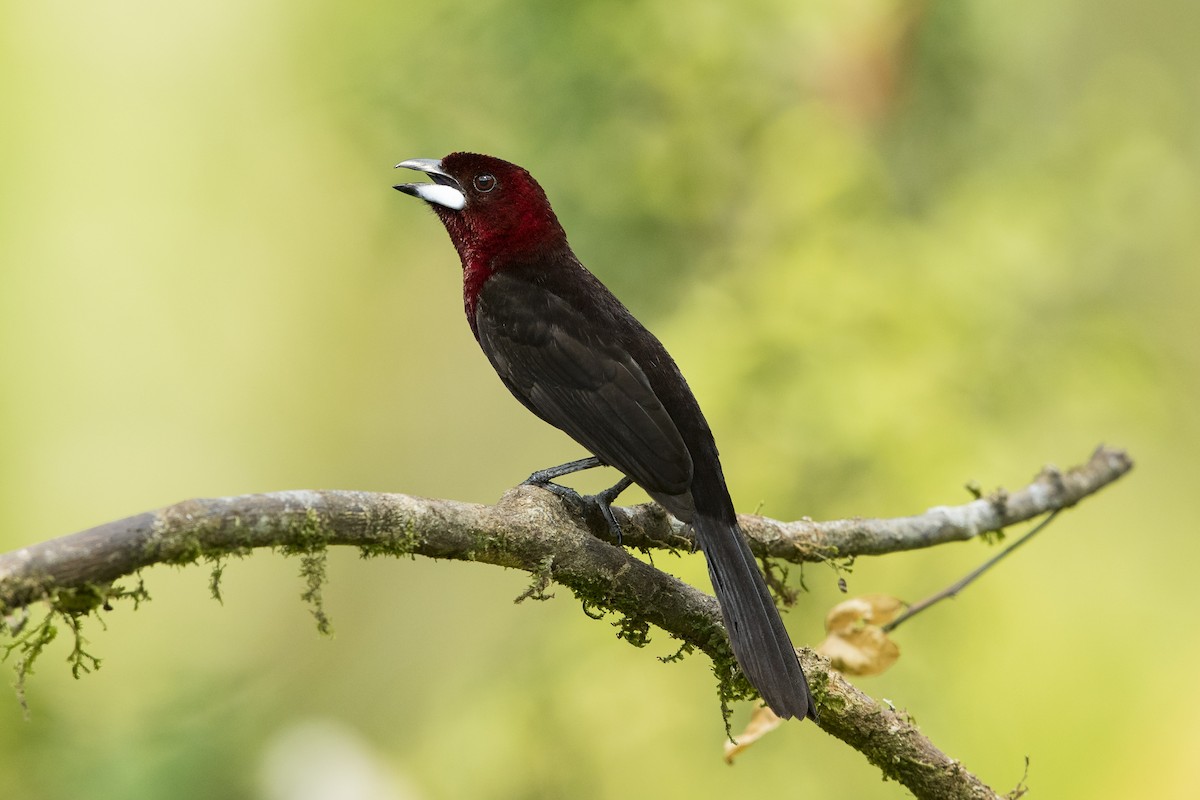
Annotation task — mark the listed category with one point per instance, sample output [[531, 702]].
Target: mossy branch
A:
[[536, 531]]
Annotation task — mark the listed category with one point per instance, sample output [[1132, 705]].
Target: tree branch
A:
[[1051, 490], [533, 530]]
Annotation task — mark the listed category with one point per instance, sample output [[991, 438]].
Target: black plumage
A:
[[568, 349]]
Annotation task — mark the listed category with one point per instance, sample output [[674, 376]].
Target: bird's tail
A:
[[760, 642]]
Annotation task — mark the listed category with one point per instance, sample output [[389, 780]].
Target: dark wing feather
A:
[[552, 357]]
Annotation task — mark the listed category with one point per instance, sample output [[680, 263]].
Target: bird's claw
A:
[[605, 500], [544, 479]]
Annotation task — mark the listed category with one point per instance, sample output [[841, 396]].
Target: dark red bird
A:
[[574, 355]]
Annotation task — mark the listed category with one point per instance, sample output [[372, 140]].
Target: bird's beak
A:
[[444, 191]]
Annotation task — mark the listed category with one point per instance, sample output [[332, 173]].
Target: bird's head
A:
[[493, 210]]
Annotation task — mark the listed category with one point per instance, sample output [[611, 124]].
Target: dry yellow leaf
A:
[[877, 609], [762, 722], [854, 642]]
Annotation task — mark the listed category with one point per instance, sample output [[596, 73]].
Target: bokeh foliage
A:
[[895, 246]]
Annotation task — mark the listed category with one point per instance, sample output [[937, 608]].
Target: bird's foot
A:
[[544, 478], [602, 501]]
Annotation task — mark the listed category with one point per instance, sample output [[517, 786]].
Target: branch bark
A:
[[533, 530]]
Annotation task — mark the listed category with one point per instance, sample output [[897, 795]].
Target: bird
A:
[[575, 356]]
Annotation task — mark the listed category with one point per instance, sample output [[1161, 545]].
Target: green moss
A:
[[732, 685], [28, 646], [685, 649], [185, 548], [309, 539], [776, 575], [822, 697], [312, 570], [219, 562], [189, 546], [540, 580], [214, 578], [593, 610], [80, 660], [70, 607], [182, 549], [405, 543], [79, 600], [306, 535], [634, 630], [598, 599]]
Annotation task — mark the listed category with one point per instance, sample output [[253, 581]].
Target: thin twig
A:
[[956, 587]]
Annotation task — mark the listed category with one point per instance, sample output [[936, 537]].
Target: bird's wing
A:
[[574, 373]]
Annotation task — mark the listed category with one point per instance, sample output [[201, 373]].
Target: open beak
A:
[[444, 191]]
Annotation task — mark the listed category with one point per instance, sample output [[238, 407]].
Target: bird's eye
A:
[[485, 183]]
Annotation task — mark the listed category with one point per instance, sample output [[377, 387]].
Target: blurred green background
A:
[[895, 247]]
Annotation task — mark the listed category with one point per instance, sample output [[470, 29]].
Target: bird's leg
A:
[[544, 478]]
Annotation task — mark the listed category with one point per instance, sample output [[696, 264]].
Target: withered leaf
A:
[[854, 640], [762, 722]]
